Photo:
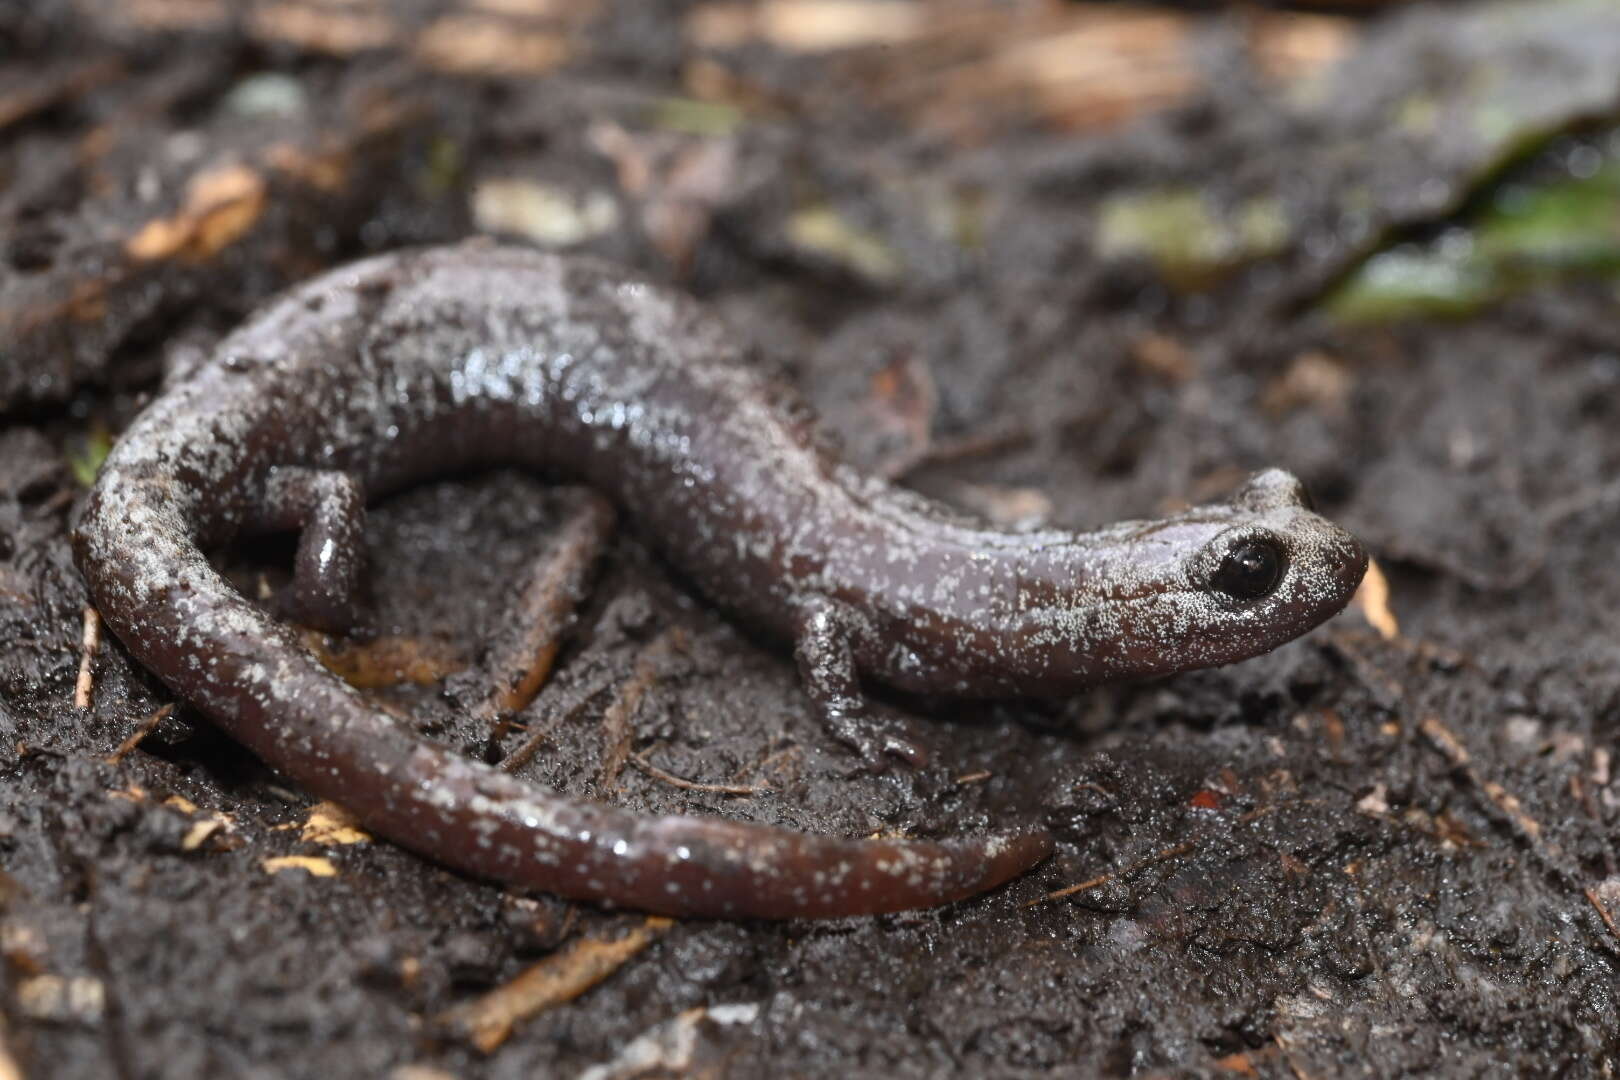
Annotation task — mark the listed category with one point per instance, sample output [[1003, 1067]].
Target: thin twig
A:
[[640, 761], [1172, 852], [84, 690], [1603, 911], [142, 730], [987, 442], [617, 726], [49, 88], [487, 1021], [537, 736], [522, 655], [1448, 743], [554, 713], [1102, 879], [1550, 855], [776, 758]]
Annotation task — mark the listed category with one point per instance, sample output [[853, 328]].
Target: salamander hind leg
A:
[[826, 657], [330, 508]]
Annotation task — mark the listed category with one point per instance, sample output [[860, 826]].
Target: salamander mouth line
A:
[[379, 375]]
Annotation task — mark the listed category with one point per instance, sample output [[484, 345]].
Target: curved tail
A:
[[136, 549]]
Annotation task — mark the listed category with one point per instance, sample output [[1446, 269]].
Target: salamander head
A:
[[1221, 583], [1279, 565]]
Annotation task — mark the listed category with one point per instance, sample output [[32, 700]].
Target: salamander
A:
[[414, 364]]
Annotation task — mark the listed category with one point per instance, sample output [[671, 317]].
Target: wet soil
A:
[[1386, 849]]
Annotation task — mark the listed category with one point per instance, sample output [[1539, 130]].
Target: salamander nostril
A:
[[1250, 570]]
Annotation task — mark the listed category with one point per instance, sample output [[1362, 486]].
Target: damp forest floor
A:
[[1060, 261]]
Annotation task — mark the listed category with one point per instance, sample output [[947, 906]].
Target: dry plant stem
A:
[[24, 102], [142, 730], [1172, 852], [538, 734], [617, 722], [523, 652], [1449, 744], [1509, 807], [1603, 911], [640, 762], [540, 730], [995, 439], [488, 1021], [84, 690]]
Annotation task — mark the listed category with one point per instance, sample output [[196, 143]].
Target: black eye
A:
[[1250, 570]]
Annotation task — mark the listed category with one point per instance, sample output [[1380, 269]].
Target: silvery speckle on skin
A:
[[415, 364]]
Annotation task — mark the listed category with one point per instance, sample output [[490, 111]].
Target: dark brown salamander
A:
[[411, 365]]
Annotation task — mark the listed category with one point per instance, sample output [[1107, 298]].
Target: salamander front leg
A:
[[331, 510], [827, 667]]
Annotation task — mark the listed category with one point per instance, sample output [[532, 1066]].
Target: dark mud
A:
[[1362, 855]]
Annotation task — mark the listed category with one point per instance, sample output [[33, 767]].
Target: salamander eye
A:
[[1250, 570]]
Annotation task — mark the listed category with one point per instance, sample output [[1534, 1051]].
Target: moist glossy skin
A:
[[415, 364]]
